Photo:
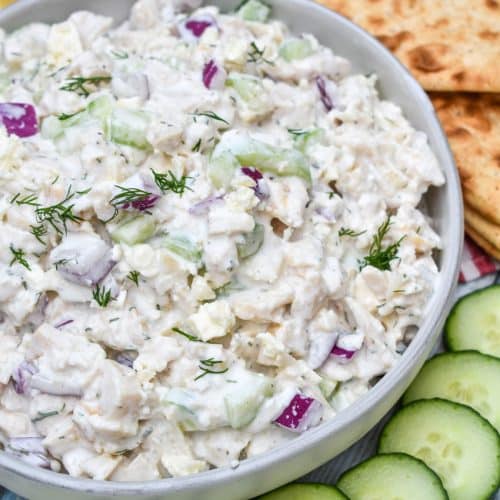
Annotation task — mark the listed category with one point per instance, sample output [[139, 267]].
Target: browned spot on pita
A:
[[393, 42], [458, 132], [440, 23], [492, 4], [489, 35], [459, 77], [376, 21], [426, 58], [496, 159]]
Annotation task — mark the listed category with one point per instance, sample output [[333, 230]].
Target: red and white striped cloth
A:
[[476, 263]]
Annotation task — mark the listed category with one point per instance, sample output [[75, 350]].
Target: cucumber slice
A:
[[253, 10], [101, 109], [474, 323], [453, 440], [310, 491], [129, 127], [393, 476], [221, 169], [296, 49], [183, 247], [468, 377], [137, 230], [253, 242]]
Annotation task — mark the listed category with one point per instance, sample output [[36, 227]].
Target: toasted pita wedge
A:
[[449, 45], [487, 231]]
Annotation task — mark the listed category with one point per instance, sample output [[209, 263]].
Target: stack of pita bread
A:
[[453, 48]]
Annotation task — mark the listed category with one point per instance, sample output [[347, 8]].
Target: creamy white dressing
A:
[[166, 337]]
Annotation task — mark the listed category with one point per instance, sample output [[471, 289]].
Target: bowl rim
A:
[[438, 306]]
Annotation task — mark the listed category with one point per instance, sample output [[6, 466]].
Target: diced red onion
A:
[[125, 359], [144, 183], [19, 118], [125, 85], [21, 376], [301, 413], [54, 388], [193, 28], [342, 353], [83, 258], [203, 206], [253, 173], [63, 323], [325, 97], [261, 188], [214, 75], [142, 204], [30, 450]]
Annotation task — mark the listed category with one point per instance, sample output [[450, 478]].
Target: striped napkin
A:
[[476, 263]]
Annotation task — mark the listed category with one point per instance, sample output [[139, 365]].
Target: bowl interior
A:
[[444, 205]]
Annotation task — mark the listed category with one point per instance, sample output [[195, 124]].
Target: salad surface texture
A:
[[210, 238]]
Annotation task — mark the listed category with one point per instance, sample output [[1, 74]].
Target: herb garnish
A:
[[101, 295], [169, 182], [44, 414], [64, 116], [128, 195], [59, 214], [378, 256], [19, 256], [190, 337], [298, 131], [196, 147], [78, 84], [345, 231], [134, 277], [213, 116], [256, 55], [30, 199], [206, 365], [38, 232], [119, 54]]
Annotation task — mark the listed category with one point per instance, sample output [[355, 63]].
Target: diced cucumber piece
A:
[[244, 398], [305, 138], [253, 10], [101, 109], [221, 169], [253, 153], [183, 247], [248, 87], [459, 445], [328, 387], [392, 476], [52, 127], [252, 242], [309, 491], [474, 323], [296, 48], [137, 230], [129, 127], [183, 400]]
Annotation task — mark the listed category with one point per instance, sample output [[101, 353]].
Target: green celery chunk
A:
[[248, 87], [253, 10], [295, 49], [183, 247], [221, 169], [135, 231], [129, 127]]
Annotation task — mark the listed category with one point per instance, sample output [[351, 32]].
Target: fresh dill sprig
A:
[[134, 277], [256, 55], [378, 256], [206, 366], [60, 262], [119, 54], [38, 232], [65, 116], [129, 195], [297, 132], [101, 295], [44, 414], [213, 116], [59, 214], [345, 231], [196, 148], [78, 84], [19, 257], [190, 337], [169, 182], [30, 199]]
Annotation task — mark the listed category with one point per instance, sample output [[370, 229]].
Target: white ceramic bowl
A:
[[317, 446]]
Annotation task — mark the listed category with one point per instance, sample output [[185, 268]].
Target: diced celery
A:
[[137, 230], [252, 243], [248, 87], [183, 247], [253, 153], [253, 10], [327, 387], [101, 108], [307, 138], [244, 398], [295, 49], [221, 169], [129, 127]]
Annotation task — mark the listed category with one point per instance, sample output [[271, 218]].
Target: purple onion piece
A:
[[126, 359], [253, 173], [214, 75], [261, 188], [202, 207], [342, 353], [325, 97], [19, 118], [193, 28], [63, 323], [21, 376], [142, 204], [301, 413]]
